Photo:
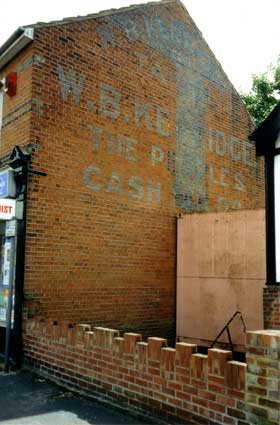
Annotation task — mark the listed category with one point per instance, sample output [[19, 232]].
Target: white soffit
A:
[[15, 47]]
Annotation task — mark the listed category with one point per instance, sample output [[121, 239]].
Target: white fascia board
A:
[[11, 51]]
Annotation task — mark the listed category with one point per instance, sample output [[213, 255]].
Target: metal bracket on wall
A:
[[37, 173]]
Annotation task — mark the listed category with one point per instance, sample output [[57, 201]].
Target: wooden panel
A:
[[221, 269]]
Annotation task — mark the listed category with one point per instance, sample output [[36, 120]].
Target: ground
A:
[[26, 399]]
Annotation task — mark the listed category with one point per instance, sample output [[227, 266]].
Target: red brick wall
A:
[[17, 110], [135, 123], [151, 378], [146, 377], [262, 387], [271, 307]]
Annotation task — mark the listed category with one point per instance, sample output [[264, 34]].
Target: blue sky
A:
[[243, 34]]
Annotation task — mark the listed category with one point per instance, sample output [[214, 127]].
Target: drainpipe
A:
[[10, 307]]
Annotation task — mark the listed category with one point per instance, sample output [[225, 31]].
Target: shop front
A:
[[12, 225]]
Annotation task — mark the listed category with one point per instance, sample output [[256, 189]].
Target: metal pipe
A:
[[10, 307]]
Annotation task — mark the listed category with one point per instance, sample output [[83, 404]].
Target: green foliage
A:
[[264, 95]]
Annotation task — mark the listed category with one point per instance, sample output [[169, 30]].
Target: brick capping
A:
[[176, 383]]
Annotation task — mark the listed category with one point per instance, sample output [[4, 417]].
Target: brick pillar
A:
[[271, 307], [262, 396]]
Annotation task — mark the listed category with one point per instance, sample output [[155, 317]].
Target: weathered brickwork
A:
[[263, 377], [135, 122], [152, 378], [271, 307], [17, 110]]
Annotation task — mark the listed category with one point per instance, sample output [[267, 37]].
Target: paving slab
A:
[[26, 399]]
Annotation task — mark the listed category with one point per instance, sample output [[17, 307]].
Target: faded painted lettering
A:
[[89, 175], [154, 192], [143, 111], [233, 148], [106, 35], [114, 144], [157, 155], [130, 149], [115, 184], [162, 115], [109, 103], [136, 183], [69, 83]]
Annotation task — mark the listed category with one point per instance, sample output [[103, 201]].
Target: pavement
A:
[[26, 399]]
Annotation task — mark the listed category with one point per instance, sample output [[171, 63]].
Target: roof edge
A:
[[100, 14], [15, 43], [267, 132]]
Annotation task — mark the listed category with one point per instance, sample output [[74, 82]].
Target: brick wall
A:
[[134, 122], [150, 378], [17, 110], [271, 306], [263, 377]]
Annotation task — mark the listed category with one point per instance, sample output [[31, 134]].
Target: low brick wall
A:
[[262, 390], [151, 378]]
